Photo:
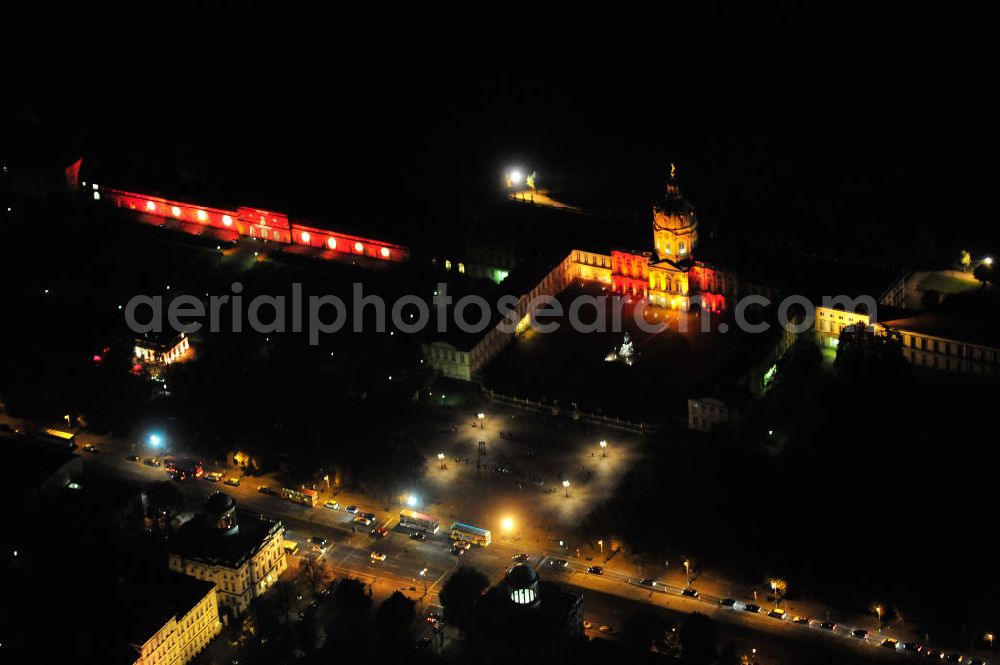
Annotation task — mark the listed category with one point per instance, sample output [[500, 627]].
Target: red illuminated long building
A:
[[252, 223]]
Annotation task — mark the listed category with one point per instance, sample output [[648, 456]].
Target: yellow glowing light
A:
[[331, 243], [202, 215], [305, 236], [175, 211], [227, 220], [507, 524], [385, 252], [150, 205], [358, 247]]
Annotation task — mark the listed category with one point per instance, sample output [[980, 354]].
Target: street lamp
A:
[[507, 524], [988, 261], [566, 487], [878, 612], [687, 571], [411, 500], [600, 544], [441, 459], [989, 638], [480, 416], [155, 440], [604, 448]]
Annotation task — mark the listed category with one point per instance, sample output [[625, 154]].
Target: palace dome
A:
[[672, 211], [220, 514], [522, 585]]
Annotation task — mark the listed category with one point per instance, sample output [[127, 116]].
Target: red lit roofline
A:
[[254, 222]]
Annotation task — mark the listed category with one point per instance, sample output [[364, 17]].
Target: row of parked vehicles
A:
[[856, 633]]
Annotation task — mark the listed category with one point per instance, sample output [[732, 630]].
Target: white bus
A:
[[419, 521], [470, 534]]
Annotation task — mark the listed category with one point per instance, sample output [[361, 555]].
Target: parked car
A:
[[647, 581], [378, 556], [727, 602], [595, 570], [860, 633], [912, 647], [418, 535], [751, 607], [890, 643], [264, 489], [332, 505], [352, 510], [558, 563], [319, 540], [828, 625], [233, 480], [91, 448], [362, 520], [378, 533], [801, 620], [132, 458], [152, 461], [213, 477], [776, 613], [954, 658], [520, 558], [690, 593]]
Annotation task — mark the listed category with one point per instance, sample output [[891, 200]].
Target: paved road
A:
[[349, 554]]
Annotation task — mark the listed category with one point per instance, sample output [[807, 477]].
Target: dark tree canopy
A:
[[396, 614], [460, 593], [698, 637], [351, 598]]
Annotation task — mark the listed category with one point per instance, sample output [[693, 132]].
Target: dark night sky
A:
[[770, 112]]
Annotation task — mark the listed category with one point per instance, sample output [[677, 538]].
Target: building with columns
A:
[[241, 552]]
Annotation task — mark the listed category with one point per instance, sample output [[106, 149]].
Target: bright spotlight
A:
[[411, 500], [155, 440]]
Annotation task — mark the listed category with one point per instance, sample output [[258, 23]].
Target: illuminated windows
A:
[[331, 243], [175, 211], [150, 205], [461, 268], [97, 196], [358, 247], [385, 255], [227, 220], [682, 249], [202, 216], [447, 264], [305, 236]]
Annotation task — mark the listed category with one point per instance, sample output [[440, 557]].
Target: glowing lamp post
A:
[[566, 487], [507, 525], [687, 571], [411, 500], [480, 416], [989, 638], [155, 440], [604, 448], [441, 459], [878, 613]]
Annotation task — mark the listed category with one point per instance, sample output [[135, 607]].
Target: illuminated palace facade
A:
[[669, 275]]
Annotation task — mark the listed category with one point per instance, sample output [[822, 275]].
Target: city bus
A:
[[291, 547], [305, 497], [419, 521], [470, 534], [183, 467]]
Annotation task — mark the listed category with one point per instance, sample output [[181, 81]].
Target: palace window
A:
[[682, 248]]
